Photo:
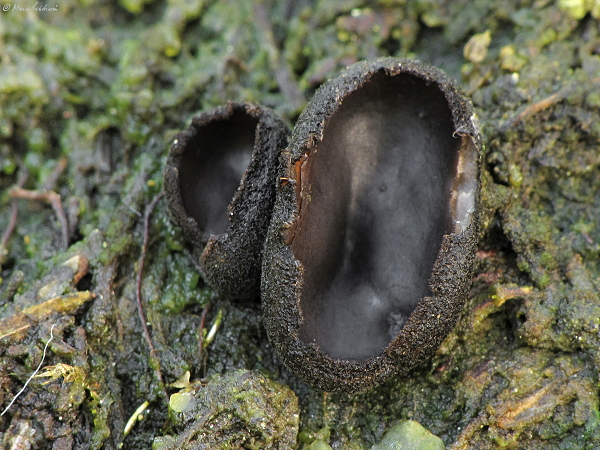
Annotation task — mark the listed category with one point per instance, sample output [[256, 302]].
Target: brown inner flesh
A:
[[374, 206], [212, 166]]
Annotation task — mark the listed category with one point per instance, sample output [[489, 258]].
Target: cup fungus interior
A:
[[374, 203], [212, 165]]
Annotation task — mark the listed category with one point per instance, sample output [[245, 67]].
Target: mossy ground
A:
[[92, 92]]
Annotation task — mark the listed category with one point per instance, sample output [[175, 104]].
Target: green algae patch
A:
[[315, 441], [318, 444], [409, 435], [173, 284], [240, 409]]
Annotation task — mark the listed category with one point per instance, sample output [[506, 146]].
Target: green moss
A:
[[409, 435], [318, 444], [515, 176], [240, 408], [181, 287], [575, 8], [71, 48], [133, 6], [22, 92], [315, 441]]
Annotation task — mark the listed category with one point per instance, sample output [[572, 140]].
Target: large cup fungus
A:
[[370, 249]]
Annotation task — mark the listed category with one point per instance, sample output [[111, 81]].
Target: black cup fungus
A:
[[226, 220], [370, 250]]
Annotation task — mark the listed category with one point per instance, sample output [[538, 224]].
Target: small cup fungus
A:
[[225, 219]]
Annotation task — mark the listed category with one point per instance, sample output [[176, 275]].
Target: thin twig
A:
[[50, 197], [12, 224], [543, 104], [138, 294], [50, 181], [537, 107], [34, 373], [24, 327], [201, 331], [14, 215]]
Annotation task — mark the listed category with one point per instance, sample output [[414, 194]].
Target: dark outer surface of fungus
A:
[[226, 219], [369, 253]]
